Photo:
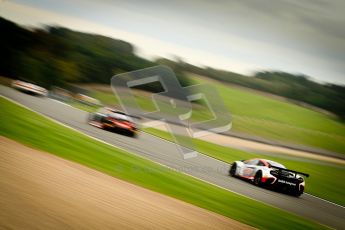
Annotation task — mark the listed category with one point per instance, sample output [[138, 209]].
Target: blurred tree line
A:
[[58, 56]]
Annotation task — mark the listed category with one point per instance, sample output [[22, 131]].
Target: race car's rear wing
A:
[[288, 170]]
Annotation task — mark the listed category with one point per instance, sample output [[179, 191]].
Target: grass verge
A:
[[36, 131]]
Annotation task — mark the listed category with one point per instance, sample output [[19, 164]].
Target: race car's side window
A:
[[260, 163]]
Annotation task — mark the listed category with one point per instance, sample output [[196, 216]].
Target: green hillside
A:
[[274, 119]]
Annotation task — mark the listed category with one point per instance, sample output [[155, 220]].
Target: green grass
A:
[[145, 102], [318, 184], [107, 98], [81, 106], [273, 119], [36, 131]]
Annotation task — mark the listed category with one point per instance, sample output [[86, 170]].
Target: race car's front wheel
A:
[[257, 178], [232, 170], [132, 134]]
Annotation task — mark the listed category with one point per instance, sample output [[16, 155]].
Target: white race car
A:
[[268, 173], [29, 87]]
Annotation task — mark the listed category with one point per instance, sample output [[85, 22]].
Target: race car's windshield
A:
[[275, 164]]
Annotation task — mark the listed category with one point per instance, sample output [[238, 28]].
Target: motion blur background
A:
[[278, 66], [290, 49]]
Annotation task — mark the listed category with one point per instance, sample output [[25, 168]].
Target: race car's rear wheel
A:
[[232, 170], [298, 191], [257, 178]]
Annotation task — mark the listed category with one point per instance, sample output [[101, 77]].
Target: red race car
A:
[[113, 120]]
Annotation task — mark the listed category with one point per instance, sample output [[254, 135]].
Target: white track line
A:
[[60, 123], [325, 200]]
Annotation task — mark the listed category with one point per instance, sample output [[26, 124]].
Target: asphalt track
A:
[[202, 167]]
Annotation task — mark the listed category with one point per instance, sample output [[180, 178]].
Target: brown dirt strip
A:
[[41, 191]]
